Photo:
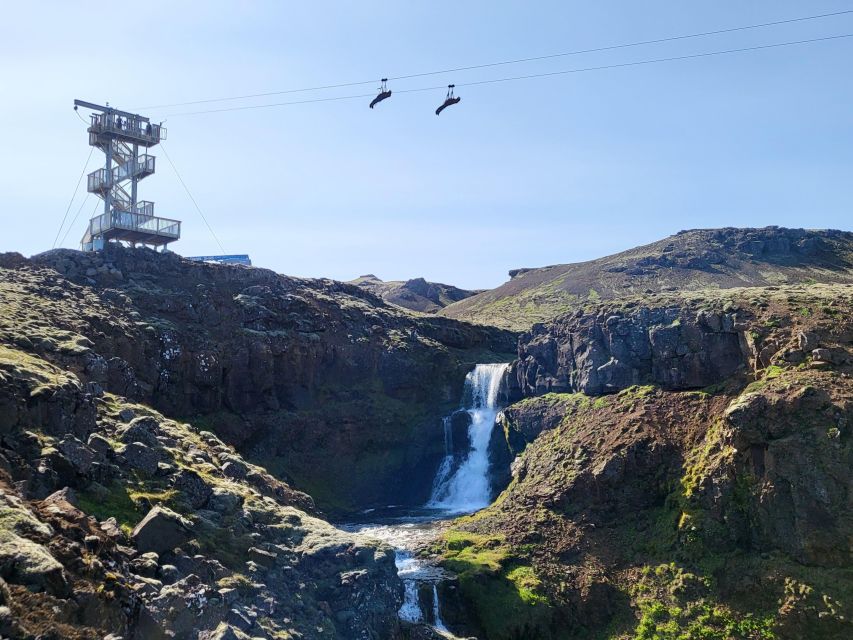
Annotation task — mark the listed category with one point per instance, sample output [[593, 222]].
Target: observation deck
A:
[[136, 228], [130, 129]]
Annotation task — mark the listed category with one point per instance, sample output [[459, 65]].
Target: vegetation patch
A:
[[503, 593], [674, 604]]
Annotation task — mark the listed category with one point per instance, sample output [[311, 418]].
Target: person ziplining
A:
[[449, 100], [384, 94]]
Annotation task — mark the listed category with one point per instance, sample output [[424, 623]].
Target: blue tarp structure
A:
[[235, 259]]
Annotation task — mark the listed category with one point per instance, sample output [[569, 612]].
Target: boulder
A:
[[235, 468], [192, 487], [169, 574], [143, 429], [141, 457], [22, 560], [146, 564], [100, 445], [224, 501], [161, 530], [78, 455]]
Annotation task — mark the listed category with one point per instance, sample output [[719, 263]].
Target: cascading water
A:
[[459, 487], [468, 488], [437, 622], [446, 466]]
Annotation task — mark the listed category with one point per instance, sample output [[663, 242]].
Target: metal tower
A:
[[120, 135]]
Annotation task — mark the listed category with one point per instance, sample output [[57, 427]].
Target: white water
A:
[[411, 609], [468, 488], [406, 536], [461, 491], [437, 622]]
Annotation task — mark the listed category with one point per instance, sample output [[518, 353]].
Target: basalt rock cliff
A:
[[316, 379], [141, 395], [678, 466]]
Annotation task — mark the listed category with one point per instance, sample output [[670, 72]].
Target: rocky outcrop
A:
[[416, 294], [295, 373], [202, 544], [607, 350], [693, 260], [161, 530], [631, 512]]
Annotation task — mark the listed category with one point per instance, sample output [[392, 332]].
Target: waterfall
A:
[[467, 489], [411, 609], [437, 622], [447, 463], [460, 485]]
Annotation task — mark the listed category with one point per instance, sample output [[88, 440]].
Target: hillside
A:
[[162, 423], [678, 467], [670, 465], [696, 259], [416, 294]]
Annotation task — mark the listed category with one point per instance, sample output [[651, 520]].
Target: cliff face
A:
[[675, 348], [690, 260], [122, 512], [704, 497], [316, 379], [117, 520]]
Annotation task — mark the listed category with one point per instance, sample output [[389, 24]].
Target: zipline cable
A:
[[508, 62], [529, 77], [184, 184], [71, 226], [70, 202]]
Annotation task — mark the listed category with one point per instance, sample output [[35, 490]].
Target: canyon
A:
[[193, 450]]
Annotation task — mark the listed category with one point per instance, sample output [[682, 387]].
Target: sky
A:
[[519, 174]]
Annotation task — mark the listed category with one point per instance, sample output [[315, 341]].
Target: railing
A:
[[145, 208], [142, 164], [134, 222], [97, 180], [132, 127]]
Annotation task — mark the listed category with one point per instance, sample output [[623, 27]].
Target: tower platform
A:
[[135, 228]]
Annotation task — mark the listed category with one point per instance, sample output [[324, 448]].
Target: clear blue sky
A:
[[519, 174]]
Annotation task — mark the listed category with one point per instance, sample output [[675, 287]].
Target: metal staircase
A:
[[121, 136]]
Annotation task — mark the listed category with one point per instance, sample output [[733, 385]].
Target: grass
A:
[[504, 594], [675, 604], [127, 503], [115, 503]]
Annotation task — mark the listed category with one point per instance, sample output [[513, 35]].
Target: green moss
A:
[[675, 604], [127, 503], [635, 392], [504, 594], [115, 503], [773, 371], [755, 386]]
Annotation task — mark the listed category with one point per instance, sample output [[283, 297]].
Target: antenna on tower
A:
[[124, 138]]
